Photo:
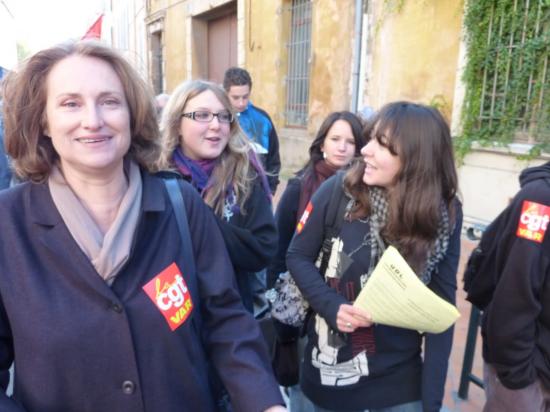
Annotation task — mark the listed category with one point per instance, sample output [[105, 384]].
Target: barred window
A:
[[297, 80], [506, 75]]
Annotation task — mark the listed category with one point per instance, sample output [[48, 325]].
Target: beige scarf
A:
[[107, 253]]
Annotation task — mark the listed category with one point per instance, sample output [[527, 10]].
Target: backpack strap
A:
[[336, 207], [174, 193], [334, 218]]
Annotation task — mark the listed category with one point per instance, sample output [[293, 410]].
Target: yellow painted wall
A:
[[267, 28], [265, 54], [332, 51], [175, 44], [173, 39], [415, 52], [267, 32]]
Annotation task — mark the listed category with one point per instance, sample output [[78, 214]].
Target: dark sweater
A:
[[286, 218], [380, 366], [516, 324], [251, 239]]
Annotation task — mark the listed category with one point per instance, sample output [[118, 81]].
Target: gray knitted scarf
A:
[[378, 218]]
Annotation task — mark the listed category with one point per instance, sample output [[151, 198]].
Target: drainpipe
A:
[[356, 64]]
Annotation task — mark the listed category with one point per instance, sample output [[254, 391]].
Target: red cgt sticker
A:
[[304, 218], [533, 221], [169, 293]]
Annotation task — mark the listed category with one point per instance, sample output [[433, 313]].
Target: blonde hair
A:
[[233, 168], [25, 95]]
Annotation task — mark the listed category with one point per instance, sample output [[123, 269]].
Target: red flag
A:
[[94, 32]]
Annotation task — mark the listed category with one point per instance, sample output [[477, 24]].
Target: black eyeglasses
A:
[[206, 117]]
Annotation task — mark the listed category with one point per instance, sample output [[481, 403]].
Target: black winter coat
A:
[[251, 239], [516, 323]]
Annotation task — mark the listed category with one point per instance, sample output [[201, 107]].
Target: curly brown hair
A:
[[25, 95]]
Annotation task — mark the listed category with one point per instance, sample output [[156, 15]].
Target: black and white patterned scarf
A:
[[378, 218]]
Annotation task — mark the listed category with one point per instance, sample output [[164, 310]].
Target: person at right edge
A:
[[402, 194], [516, 323]]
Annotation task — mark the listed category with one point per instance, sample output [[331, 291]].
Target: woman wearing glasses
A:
[[202, 140]]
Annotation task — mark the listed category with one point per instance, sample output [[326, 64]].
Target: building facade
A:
[[308, 58], [8, 45]]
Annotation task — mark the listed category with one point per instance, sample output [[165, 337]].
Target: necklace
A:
[[365, 242]]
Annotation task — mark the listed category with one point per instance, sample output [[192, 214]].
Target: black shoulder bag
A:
[[289, 310], [174, 192], [288, 306]]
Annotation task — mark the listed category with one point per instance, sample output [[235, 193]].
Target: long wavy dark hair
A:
[[421, 138]]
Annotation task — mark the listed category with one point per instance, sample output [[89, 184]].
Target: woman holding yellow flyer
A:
[[402, 194]]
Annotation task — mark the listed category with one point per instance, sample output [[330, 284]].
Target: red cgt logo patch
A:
[[304, 218], [533, 221], [169, 292]]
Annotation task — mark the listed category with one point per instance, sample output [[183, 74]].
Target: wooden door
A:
[[222, 46]]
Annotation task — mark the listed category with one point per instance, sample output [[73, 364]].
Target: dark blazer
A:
[[80, 345]]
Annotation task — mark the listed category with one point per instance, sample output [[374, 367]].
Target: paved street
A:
[[476, 396]]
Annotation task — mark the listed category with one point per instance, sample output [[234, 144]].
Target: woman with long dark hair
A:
[[403, 193], [336, 144], [338, 141]]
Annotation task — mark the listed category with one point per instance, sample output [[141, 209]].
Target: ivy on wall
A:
[[507, 74]]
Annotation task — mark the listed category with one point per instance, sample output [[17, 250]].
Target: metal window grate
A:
[[297, 81], [157, 62], [508, 36]]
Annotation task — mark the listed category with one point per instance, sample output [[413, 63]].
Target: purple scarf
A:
[[198, 170]]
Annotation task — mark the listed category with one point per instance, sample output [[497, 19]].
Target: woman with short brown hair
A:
[[106, 304], [33, 156]]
